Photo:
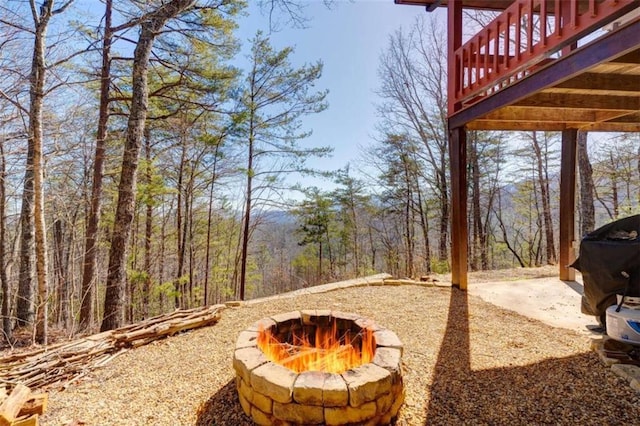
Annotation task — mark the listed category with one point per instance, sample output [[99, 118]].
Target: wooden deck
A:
[[540, 65]]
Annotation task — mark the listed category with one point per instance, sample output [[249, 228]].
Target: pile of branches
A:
[[68, 361]]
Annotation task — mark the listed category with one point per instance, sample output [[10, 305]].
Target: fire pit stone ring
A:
[[271, 394]]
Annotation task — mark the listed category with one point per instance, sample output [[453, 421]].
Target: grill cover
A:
[[604, 255]]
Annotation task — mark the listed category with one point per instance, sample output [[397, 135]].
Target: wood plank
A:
[[592, 91], [616, 116], [603, 126], [518, 126], [611, 127], [608, 82], [566, 115], [581, 101], [627, 118], [11, 406]]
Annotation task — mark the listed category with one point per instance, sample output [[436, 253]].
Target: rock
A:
[[274, 381], [348, 415], [246, 359], [300, 414], [335, 392], [308, 387], [366, 383], [626, 371], [387, 338]]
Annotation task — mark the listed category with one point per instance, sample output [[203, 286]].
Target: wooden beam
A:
[[627, 118], [581, 101], [611, 127], [567, 203], [604, 126], [518, 126], [616, 116], [611, 46], [458, 170], [608, 82], [561, 115], [632, 58]]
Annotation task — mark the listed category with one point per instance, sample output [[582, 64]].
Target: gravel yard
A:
[[465, 362]]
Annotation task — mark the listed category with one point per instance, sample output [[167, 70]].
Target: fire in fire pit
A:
[[319, 367], [319, 348]]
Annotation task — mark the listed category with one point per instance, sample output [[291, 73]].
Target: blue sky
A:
[[349, 39]]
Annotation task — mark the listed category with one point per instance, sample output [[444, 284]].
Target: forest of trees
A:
[[141, 172]]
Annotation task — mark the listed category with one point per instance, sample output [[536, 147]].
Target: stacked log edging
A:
[[68, 361]]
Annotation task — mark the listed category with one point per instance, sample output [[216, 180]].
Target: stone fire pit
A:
[[272, 394]]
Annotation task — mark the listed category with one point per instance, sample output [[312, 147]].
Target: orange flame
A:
[[329, 353]]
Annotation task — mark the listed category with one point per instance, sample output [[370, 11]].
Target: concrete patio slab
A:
[[549, 300]]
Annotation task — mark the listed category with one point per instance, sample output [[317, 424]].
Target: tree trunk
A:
[[476, 247], [36, 95], [424, 224], [180, 229], [163, 246], [443, 250], [93, 217], [113, 302], [148, 230], [543, 182], [4, 280], [246, 219], [587, 211], [25, 308], [189, 229], [408, 218], [613, 178], [130, 285], [60, 268], [207, 263]]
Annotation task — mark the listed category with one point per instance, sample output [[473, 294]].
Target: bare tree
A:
[[93, 216], [4, 280], [587, 211], [413, 74], [41, 21], [541, 157]]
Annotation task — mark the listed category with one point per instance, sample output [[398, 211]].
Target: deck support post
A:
[[567, 203], [457, 152], [459, 230]]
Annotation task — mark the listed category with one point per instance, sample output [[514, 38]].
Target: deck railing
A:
[[522, 38]]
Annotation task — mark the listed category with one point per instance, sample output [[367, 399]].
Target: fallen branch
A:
[[68, 360]]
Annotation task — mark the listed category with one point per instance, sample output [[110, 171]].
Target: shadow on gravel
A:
[[575, 390], [223, 409]]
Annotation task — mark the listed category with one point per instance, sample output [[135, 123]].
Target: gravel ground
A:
[[465, 362]]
